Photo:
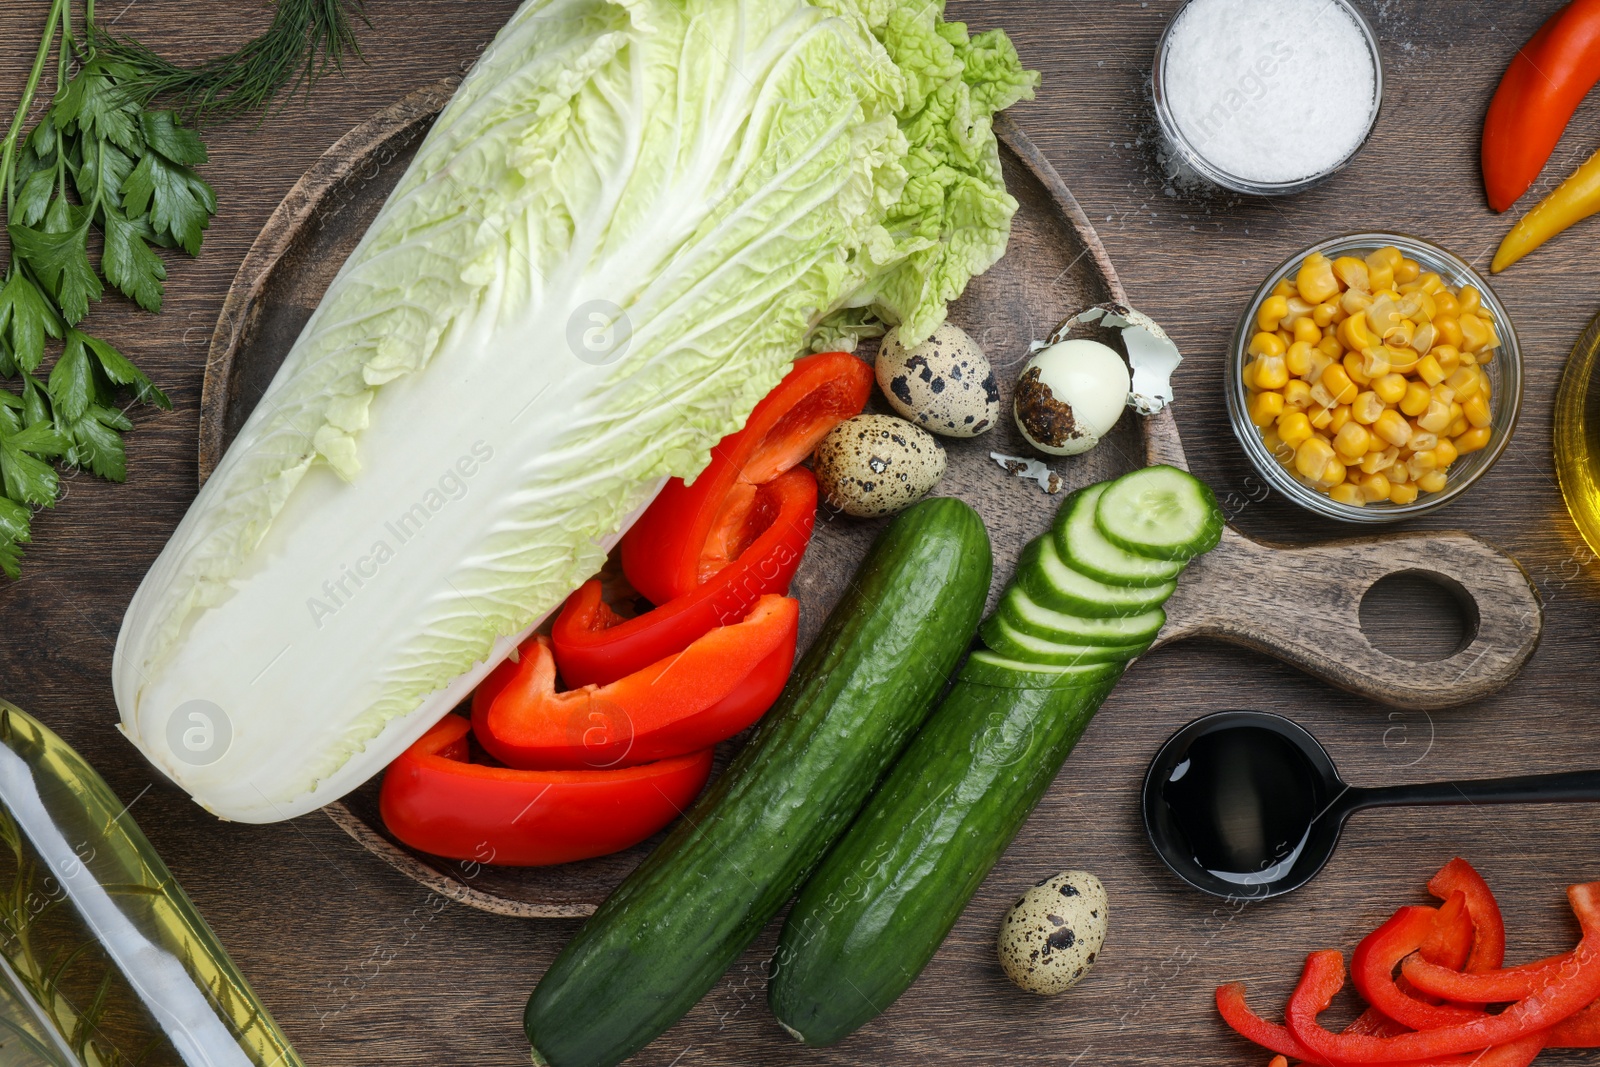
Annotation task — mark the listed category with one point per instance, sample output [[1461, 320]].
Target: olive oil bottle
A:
[[1577, 434]]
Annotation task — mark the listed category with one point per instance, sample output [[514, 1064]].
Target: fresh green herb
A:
[[103, 159]]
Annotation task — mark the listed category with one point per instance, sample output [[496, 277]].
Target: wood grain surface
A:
[[364, 967]]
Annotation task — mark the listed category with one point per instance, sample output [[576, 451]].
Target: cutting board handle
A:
[[1303, 606]]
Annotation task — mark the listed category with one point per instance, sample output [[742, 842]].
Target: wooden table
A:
[[362, 967]]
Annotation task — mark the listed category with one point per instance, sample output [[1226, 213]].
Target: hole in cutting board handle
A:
[[1419, 616]]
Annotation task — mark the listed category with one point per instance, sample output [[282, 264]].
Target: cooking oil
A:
[[1577, 435]]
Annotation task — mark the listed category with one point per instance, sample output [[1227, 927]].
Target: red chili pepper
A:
[[437, 802], [690, 532], [1489, 929], [710, 691], [1542, 88], [1485, 987], [1324, 976], [595, 646], [1373, 963]]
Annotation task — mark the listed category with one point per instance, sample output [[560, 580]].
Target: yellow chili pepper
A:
[[1572, 201]]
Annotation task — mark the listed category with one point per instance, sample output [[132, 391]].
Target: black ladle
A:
[[1245, 804]]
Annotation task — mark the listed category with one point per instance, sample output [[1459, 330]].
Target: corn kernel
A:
[[1321, 417], [1444, 394], [1407, 270], [1474, 334], [1401, 360], [1267, 344], [1337, 381], [1296, 395], [1458, 427], [1271, 372], [1375, 487], [1323, 315], [1294, 428], [1470, 299], [1433, 481], [1351, 440], [1444, 453], [1402, 494], [1428, 370], [1419, 464], [1353, 363], [1465, 383], [1355, 302], [1398, 475], [1444, 302], [1448, 328], [1476, 411], [1316, 281], [1320, 397], [1298, 358], [1416, 400], [1341, 416], [1350, 494], [1334, 473], [1351, 271], [1392, 428], [1423, 441], [1356, 334], [1423, 338], [1473, 440], [1431, 284], [1429, 307], [1449, 357], [1312, 458], [1374, 462], [1331, 347], [1390, 388], [1273, 309], [1366, 407], [1265, 408], [1435, 419], [1304, 329]]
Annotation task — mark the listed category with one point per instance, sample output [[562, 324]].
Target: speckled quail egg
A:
[[875, 465], [945, 384], [1070, 395], [1051, 938]]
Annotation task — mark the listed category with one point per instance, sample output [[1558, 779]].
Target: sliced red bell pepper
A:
[[1450, 943], [1252, 1027], [1489, 929], [595, 646], [692, 531], [435, 801], [1578, 1031], [1324, 976], [710, 691], [1373, 963], [1485, 987]]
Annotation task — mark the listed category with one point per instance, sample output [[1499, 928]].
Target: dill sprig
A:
[[307, 39]]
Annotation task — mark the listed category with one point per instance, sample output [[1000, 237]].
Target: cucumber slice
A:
[[1025, 615], [1082, 546], [992, 669], [1053, 584], [1160, 512], [1006, 640]]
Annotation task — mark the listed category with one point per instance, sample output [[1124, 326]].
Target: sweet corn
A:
[[1448, 330], [1444, 394], [1341, 416], [1449, 357], [1398, 475], [1351, 271], [1334, 473], [1444, 302], [1466, 383], [1331, 347], [1351, 440], [1423, 441], [1312, 458], [1305, 329], [1469, 299], [1353, 363], [1321, 417], [1271, 373], [1296, 395], [1298, 358], [1294, 428], [1356, 334], [1444, 454], [1402, 494], [1355, 302], [1316, 281], [1401, 360], [1428, 370], [1433, 481], [1324, 314], [1265, 408], [1474, 334], [1472, 440], [1273, 309], [1337, 381], [1376, 462], [1349, 493], [1476, 411], [1435, 419], [1416, 400], [1267, 344], [1320, 397], [1366, 407], [1424, 338], [1458, 427], [1392, 428], [1375, 487], [1407, 270], [1390, 388]]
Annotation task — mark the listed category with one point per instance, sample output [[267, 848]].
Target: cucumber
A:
[[670, 930], [1025, 615], [878, 908], [984, 667], [1084, 548], [1053, 584], [1005, 640], [1160, 512]]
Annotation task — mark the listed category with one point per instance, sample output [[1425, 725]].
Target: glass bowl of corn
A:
[[1374, 377]]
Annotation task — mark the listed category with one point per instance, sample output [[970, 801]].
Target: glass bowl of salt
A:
[[1266, 97]]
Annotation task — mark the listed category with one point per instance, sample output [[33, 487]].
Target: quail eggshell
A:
[[875, 465], [944, 385], [1070, 395], [1053, 935]]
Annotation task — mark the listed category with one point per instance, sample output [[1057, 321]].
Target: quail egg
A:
[[945, 384], [1070, 395], [875, 465], [1051, 938]]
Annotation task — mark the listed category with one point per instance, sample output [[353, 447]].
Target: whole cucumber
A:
[[674, 926], [879, 906]]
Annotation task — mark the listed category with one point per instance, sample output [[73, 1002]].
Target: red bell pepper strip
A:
[[1373, 963], [691, 531], [1489, 929], [435, 801], [1485, 987], [710, 691], [1542, 88], [1252, 1027], [1578, 1031], [1324, 976], [1450, 943], [595, 646]]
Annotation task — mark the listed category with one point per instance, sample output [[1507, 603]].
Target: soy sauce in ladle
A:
[[1248, 804]]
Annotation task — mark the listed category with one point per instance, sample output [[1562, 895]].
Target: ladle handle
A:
[[1303, 606], [1524, 789]]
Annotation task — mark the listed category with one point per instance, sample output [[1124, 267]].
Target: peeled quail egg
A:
[[1070, 395], [945, 384], [1050, 939], [875, 465]]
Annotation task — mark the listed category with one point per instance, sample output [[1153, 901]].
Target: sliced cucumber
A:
[[1082, 546], [992, 669], [1006, 640], [1026, 615], [1160, 512], [1054, 584]]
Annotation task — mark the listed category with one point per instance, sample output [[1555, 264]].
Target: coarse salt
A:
[[1270, 91]]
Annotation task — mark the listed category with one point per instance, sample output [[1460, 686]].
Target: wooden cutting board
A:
[[1056, 266]]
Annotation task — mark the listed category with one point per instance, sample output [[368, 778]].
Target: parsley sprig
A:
[[104, 161]]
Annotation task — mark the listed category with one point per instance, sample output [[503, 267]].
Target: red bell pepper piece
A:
[[1373, 963], [1450, 943], [1542, 88], [1489, 929], [1578, 1031], [710, 691], [595, 646], [1324, 976], [1485, 987], [691, 531], [1252, 1027], [435, 801]]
